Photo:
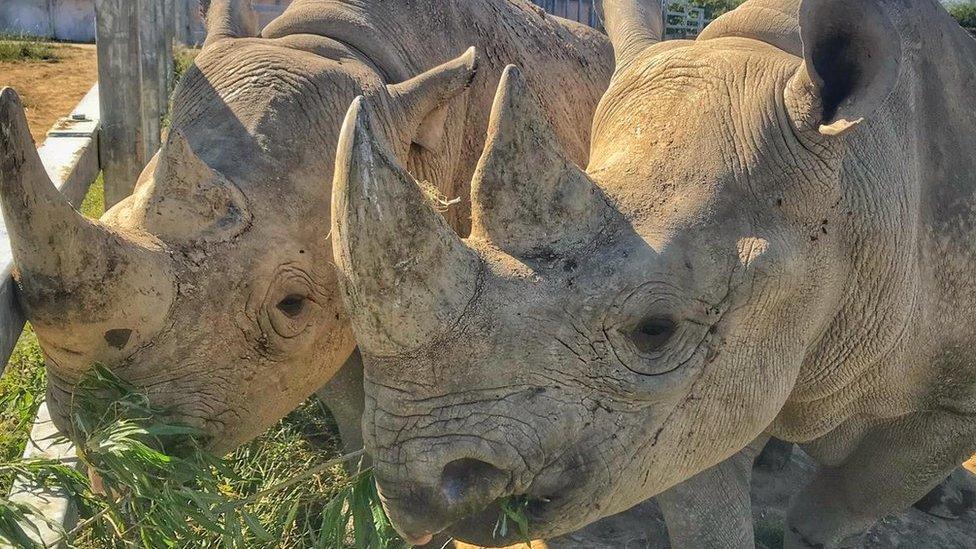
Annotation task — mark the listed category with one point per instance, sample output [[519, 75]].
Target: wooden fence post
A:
[[169, 31], [134, 55], [121, 149], [182, 16], [150, 52]]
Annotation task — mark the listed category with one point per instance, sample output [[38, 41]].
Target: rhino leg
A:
[[952, 498], [775, 456], [713, 509], [344, 397], [892, 467]]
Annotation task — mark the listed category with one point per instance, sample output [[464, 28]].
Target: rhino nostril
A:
[[118, 338], [471, 482]]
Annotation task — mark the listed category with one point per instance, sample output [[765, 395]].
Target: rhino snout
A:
[[464, 487]]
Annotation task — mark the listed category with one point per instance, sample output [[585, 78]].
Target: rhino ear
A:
[[632, 25], [187, 201], [528, 198], [228, 19], [851, 62], [423, 99]]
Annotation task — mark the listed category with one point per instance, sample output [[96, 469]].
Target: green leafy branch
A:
[[159, 488]]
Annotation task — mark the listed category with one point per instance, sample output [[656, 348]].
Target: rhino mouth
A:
[[485, 528], [558, 499], [550, 505]]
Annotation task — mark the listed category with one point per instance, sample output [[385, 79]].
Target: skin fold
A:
[[212, 287], [774, 234]]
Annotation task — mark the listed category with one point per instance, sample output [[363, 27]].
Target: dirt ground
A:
[[51, 89], [643, 527]]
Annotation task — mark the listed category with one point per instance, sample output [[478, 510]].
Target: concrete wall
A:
[[72, 20]]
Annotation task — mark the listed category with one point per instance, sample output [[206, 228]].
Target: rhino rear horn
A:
[[228, 19], [632, 25], [405, 275], [71, 271], [423, 98], [188, 201], [528, 198]]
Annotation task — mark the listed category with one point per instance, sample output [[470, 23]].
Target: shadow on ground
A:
[[643, 526]]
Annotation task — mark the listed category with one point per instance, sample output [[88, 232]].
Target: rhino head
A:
[[211, 287], [606, 334]]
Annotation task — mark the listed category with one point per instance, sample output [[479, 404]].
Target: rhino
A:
[[212, 286], [774, 235]]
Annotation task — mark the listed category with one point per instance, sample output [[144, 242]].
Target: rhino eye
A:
[[292, 305], [652, 333]]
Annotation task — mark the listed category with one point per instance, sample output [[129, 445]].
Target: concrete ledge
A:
[[54, 504], [70, 152]]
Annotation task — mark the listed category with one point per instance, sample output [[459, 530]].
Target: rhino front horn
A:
[[404, 273], [73, 273]]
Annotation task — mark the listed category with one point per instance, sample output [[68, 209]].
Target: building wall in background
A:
[[71, 20]]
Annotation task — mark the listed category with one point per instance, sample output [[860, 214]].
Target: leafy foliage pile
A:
[[159, 488], [513, 516]]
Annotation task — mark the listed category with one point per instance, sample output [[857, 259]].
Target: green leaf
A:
[[13, 519], [255, 527]]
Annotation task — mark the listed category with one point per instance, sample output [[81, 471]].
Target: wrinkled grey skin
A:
[[212, 286], [774, 233]]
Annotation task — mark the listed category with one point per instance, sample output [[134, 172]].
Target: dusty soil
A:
[[51, 89], [643, 527]]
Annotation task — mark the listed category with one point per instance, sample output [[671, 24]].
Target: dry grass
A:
[[50, 89]]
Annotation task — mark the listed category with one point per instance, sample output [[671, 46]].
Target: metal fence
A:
[[583, 11], [682, 18]]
